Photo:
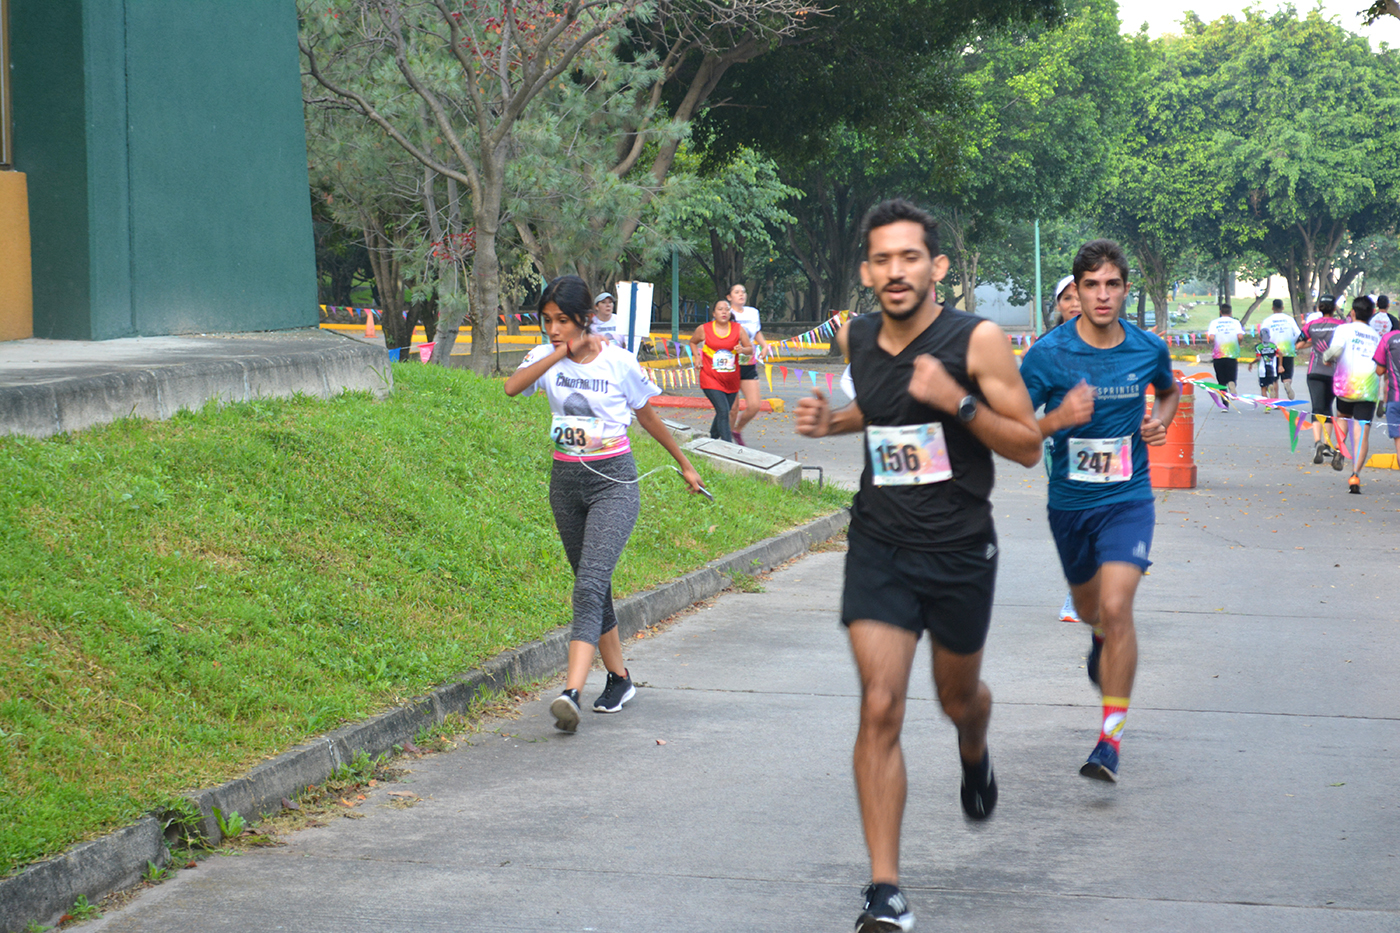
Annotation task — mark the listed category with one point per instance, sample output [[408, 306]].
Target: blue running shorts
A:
[[1089, 538]]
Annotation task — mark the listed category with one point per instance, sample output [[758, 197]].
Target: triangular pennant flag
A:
[[829, 389], [1343, 435], [768, 371], [1292, 430], [783, 370]]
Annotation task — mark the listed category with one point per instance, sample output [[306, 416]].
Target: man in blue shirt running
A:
[[1092, 376]]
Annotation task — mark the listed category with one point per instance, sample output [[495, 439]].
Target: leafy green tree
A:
[[449, 83], [1303, 116], [366, 185], [1044, 112], [729, 216]]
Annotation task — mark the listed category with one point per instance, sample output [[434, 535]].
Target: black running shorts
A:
[[1361, 411], [748, 371], [1226, 370], [949, 593], [1320, 391]]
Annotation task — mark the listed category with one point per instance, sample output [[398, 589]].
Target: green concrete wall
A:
[[166, 152]]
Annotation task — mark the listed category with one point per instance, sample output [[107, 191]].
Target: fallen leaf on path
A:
[[660, 741], [289, 805]]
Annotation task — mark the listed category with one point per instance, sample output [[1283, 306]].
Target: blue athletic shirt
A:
[[1056, 363]]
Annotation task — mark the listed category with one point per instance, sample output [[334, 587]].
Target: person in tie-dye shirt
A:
[[1355, 383], [1284, 329], [1224, 334], [1387, 360], [1317, 333]]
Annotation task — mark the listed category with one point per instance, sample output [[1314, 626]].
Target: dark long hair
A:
[[572, 296]]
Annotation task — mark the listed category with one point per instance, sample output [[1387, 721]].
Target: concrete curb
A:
[[323, 367], [46, 890]]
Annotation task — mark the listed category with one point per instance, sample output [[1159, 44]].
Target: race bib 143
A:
[[908, 455]]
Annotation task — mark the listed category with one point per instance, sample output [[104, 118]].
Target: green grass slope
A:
[[179, 600]]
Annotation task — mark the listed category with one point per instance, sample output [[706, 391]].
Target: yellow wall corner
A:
[[16, 276]]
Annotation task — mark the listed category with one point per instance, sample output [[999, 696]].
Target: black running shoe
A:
[[1102, 764], [565, 710], [617, 692], [886, 910], [1338, 460], [1095, 653], [1320, 452], [979, 788]]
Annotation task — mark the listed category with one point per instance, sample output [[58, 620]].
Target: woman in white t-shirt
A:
[[594, 388], [747, 317]]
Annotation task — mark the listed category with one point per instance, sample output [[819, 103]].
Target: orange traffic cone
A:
[[1173, 465]]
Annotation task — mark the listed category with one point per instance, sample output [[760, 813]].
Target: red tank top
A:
[[719, 364]]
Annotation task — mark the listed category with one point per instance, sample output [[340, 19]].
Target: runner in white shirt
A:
[[1285, 333], [604, 324], [747, 316], [1224, 334], [593, 390], [1355, 382]]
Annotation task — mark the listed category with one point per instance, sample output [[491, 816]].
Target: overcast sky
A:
[[1165, 15]]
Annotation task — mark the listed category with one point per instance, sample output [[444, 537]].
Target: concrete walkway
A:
[[1258, 787]]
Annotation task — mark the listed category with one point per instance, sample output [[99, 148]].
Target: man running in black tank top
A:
[[936, 390]]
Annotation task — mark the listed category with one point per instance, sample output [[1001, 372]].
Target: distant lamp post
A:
[[1037, 314]]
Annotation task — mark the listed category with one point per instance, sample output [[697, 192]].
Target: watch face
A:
[[968, 409]]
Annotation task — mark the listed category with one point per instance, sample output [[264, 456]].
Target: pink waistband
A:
[[606, 453]]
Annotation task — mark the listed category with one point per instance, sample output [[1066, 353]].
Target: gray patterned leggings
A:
[[595, 518]]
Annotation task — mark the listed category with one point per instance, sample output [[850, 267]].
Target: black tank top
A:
[[952, 515]]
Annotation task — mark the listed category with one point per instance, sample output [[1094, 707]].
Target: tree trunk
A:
[[1253, 306], [388, 276], [486, 264]]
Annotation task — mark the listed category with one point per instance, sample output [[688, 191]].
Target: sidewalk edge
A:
[[46, 890]]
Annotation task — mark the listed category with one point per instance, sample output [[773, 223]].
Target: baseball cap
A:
[[601, 295], [1061, 285]]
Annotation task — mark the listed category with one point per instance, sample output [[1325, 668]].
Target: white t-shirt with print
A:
[[748, 320], [1283, 332], [609, 330], [609, 387], [1227, 332]]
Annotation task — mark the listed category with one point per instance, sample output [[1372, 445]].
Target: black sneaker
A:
[[617, 692], [565, 710], [1338, 460], [886, 910], [979, 788], [1095, 653], [1320, 452]]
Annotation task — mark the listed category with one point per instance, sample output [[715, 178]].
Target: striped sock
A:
[[1115, 711]]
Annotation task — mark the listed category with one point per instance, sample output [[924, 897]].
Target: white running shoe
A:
[[1067, 613]]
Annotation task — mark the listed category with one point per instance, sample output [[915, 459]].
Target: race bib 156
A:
[[1101, 459], [908, 455]]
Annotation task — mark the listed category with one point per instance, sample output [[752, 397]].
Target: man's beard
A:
[[921, 297]]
